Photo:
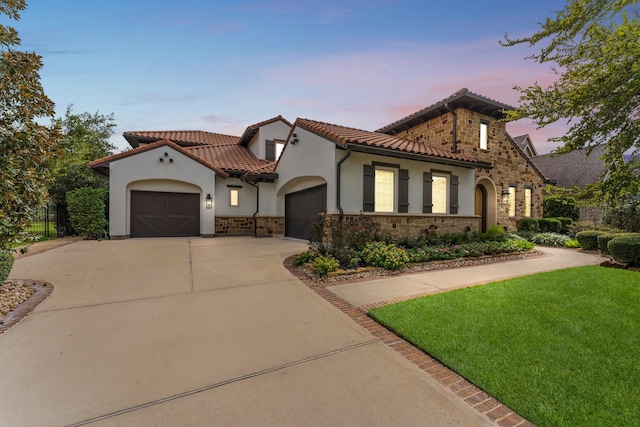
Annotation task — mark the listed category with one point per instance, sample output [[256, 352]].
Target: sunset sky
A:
[[221, 66]]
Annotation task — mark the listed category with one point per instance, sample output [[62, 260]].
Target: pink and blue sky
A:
[[222, 65]]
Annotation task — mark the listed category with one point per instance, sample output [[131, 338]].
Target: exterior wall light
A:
[[209, 202], [505, 197]]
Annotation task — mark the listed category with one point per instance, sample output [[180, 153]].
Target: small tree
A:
[[26, 147], [561, 207]]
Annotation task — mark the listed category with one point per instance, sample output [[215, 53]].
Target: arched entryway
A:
[[486, 204], [481, 207]]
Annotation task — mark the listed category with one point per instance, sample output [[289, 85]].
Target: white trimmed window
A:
[[279, 148], [439, 188], [527, 202], [384, 190], [234, 197], [484, 135], [512, 201]]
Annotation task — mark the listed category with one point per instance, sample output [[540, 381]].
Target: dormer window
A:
[[484, 134], [274, 149]]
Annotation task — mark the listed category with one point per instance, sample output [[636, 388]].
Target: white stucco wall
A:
[[144, 171], [352, 177], [247, 198], [272, 131], [308, 163]]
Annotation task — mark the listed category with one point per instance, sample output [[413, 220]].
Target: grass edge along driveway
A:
[[559, 348]]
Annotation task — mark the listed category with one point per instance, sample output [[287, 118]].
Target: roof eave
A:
[[415, 156]]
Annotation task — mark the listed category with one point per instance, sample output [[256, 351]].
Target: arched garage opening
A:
[[304, 199], [161, 208]]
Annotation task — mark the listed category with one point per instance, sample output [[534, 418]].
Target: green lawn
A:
[[559, 348]]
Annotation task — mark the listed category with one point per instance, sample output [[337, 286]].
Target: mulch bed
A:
[[18, 298]]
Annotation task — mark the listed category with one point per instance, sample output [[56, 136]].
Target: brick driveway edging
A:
[[482, 402]]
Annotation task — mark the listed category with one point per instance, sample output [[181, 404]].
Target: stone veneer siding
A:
[[509, 164], [399, 225], [243, 226]]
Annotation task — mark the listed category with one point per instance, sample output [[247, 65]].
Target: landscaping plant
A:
[[86, 209], [589, 239], [626, 249], [6, 262]]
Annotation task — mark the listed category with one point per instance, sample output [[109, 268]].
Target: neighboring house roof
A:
[[574, 168], [380, 143], [525, 143], [252, 130], [102, 165], [232, 158], [180, 137], [461, 99]]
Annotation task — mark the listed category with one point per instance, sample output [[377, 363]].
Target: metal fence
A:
[[52, 221]]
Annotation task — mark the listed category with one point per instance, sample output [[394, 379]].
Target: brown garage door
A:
[[159, 214], [301, 209]]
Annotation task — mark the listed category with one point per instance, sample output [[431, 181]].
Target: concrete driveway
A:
[[200, 332]]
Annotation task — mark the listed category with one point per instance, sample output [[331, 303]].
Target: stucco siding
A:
[[308, 163], [145, 171]]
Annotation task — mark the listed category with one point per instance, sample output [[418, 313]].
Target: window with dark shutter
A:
[[403, 191], [453, 195], [427, 204], [271, 150], [368, 190]]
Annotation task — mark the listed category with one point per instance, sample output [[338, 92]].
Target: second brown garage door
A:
[[160, 214], [301, 209]]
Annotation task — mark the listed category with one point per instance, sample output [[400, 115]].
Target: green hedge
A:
[[6, 262], [626, 249], [86, 208], [549, 225], [588, 239], [566, 223], [527, 224]]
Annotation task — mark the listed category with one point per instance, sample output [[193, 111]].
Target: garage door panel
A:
[[302, 208], [163, 214]]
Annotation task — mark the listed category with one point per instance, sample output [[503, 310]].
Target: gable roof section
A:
[[525, 143], [252, 130], [574, 168], [103, 163], [383, 144], [461, 99], [183, 138], [232, 158]]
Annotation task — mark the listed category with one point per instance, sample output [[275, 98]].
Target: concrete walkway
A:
[[402, 287], [201, 332]]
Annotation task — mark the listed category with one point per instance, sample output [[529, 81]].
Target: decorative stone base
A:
[[243, 226], [416, 224]]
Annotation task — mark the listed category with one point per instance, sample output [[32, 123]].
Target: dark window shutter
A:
[[271, 150], [368, 190], [403, 191], [427, 192], [453, 195]]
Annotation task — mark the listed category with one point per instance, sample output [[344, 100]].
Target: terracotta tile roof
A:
[[232, 158], [463, 98], [251, 131], [105, 161], [342, 135], [180, 137]]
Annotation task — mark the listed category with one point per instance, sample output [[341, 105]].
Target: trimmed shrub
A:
[[566, 223], [86, 211], [561, 206], [588, 239], [527, 224], [626, 249], [549, 225], [577, 227], [6, 262], [304, 257], [387, 256], [496, 232], [324, 264], [605, 238]]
